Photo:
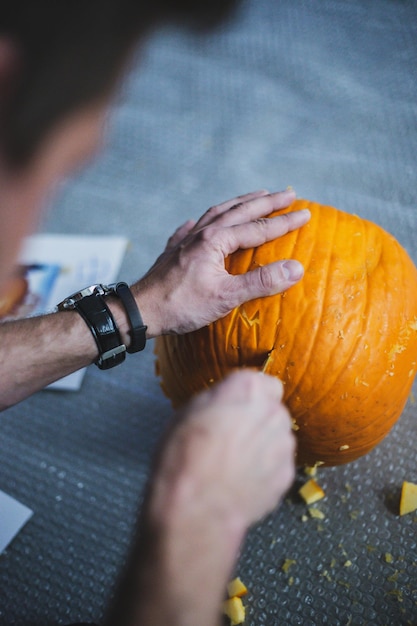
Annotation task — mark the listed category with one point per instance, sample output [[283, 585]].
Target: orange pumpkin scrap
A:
[[343, 340]]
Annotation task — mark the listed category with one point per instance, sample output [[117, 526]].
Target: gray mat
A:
[[318, 95]]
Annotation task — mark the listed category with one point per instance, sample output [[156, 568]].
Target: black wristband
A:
[[100, 321], [90, 304], [137, 327]]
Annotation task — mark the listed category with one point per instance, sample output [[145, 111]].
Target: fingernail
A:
[[292, 270]]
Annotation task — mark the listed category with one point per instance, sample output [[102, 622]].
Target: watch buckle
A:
[[106, 356]]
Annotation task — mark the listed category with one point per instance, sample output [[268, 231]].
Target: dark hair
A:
[[72, 53]]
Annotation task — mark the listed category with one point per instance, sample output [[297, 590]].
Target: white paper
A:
[[13, 515], [55, 266]]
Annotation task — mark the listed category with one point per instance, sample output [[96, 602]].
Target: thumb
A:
[[267, 280]]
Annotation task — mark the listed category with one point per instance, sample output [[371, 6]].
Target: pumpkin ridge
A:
[[270, 363], [355, 345], [295, 237], [400, 280], [176, 358], [368, 317], [300, 371], [373, 430], [326, 263], [215, 360], [165, 351]]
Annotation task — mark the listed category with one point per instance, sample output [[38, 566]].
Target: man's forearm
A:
[[39, 350], [225, 463], [177, 575]]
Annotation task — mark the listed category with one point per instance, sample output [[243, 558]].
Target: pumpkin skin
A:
[[343, 340], [13, 294]]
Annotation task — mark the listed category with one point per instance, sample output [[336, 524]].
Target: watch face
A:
[[87, 291], [70, 301]]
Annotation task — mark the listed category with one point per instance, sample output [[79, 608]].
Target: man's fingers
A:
[[260, 231], [264, 281], [243, 211], [220, 209], [243, 384]]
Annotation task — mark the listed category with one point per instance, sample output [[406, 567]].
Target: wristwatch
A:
[[91, 305]]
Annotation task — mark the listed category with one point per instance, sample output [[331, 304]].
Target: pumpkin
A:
[[343, 340], [13, 294]]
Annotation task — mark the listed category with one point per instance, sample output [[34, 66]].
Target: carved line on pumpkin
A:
[[231, 327]]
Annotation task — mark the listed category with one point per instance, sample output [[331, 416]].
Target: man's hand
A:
[[189, 287], [231, 453], [226, 462]]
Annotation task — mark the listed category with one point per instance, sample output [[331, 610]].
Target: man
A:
[[59, 66]]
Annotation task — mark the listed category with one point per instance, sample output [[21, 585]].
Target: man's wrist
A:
[[149, 306], [121, 318], [137, 329], [217, 542], [90, 304], [116, 330], [174, 507]]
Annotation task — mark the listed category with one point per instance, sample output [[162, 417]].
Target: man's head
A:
[[60, 62], [66, 54]]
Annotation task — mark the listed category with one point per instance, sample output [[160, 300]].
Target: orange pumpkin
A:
[[343, 340], [13, 294]]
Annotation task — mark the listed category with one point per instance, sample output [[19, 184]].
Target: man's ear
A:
[[9, 67]]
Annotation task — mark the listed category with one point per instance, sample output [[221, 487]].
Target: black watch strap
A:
[[137, 327], [100, 321]]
